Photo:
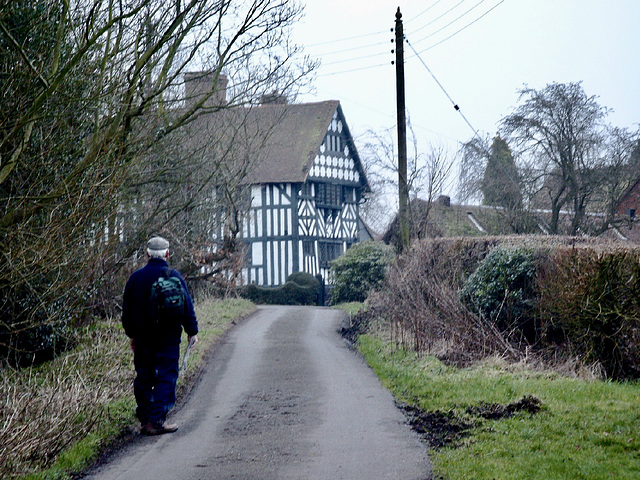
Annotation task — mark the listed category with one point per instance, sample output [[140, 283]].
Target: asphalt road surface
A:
[[283, 397]]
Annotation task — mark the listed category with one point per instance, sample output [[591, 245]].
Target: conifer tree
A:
[[500, 184]]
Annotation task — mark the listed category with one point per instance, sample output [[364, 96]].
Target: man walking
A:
[[155, 345]]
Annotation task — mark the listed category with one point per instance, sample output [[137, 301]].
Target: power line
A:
[[455, 105], [451, 22], [457, 108], [351, 49], [424, 11], [463, 28], [353, 70], [365, 35], [439, 17], [337, 52], [354, 59], [337, 40]]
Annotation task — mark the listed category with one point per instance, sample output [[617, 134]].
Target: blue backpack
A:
[[167, 300]]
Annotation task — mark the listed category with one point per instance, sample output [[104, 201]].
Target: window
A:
[[333, 142], [328, 195], [348, 194], [307, 248], [329, 251]]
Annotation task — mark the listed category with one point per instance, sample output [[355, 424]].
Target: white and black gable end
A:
[[303, 225]]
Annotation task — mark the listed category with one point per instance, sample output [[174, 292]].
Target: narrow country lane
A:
[[283, 397]]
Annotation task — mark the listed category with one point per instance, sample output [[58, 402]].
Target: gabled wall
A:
[[631, 202], [295, 227]]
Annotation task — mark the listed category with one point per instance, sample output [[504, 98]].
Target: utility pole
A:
[[403, 190]]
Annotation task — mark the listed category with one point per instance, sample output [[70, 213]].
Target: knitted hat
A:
[[158, 243]]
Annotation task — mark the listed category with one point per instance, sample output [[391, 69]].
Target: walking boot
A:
[[151, 429]]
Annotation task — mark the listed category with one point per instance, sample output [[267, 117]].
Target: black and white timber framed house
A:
[[305, 197], [303, 183]]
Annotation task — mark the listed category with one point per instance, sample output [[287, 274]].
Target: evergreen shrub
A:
[[300, 288], [361, 269], [501, 290], [304, 279]]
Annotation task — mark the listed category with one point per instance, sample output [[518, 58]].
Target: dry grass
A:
[[57, 417], [44, 409], [420, 304]]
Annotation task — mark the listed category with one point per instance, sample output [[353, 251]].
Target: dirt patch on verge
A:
[[443, 429], [495, 411], [439, 429]]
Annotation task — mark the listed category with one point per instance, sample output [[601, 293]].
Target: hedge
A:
[[560, 296], [299, 289]]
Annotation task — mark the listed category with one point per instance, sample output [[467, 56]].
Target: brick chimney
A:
[[444, 200], [199, 84], [273, 98]]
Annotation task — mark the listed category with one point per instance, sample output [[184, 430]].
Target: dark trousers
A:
[[155, 383]]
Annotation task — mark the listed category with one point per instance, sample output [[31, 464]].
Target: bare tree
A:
[[620, 171], [375, 209], [474, 156], [562, 129], [428, 173], [438, 165], [91, 91]]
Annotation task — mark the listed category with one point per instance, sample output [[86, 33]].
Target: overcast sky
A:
[[481, 51]]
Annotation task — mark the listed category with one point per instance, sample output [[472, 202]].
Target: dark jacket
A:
[[136, 311]]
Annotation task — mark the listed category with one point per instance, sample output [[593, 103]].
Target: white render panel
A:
[[259, 222], [283, 222], [252, 224], [269, 218], [279, 224], [290, 259], [256, 196], [256, 253], [283, 261], [276, 263], [301, 259], [268, 271], [276, 222], [328, 166]]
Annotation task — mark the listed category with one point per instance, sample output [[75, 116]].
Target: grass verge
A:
[[55, 419], [585, 429]]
